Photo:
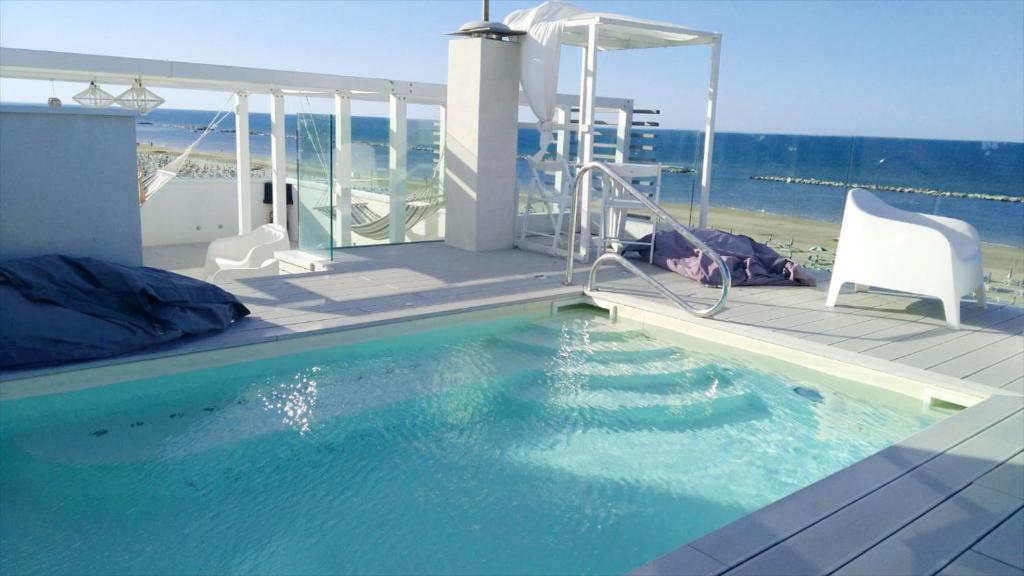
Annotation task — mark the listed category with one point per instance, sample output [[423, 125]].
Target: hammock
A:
[[152, 183], [418, 207]]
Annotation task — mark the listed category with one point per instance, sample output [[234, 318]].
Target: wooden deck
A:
[[988, 349], [947, 500]]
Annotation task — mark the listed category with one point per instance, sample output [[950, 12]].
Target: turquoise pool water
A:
[[545, 445]]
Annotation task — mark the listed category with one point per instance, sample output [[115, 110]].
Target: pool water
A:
[[541, 445]]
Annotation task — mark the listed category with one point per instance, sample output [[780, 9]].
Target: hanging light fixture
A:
[[94, 97], [139, 98]]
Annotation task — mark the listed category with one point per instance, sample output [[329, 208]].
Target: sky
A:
[[949, 70]]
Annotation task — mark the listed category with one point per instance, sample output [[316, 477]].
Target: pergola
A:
[[599, 32]]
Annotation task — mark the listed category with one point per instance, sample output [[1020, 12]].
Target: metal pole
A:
[[487, 11], [584, 172], [709, 133]]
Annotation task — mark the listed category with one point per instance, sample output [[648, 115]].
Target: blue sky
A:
[[950, 70]]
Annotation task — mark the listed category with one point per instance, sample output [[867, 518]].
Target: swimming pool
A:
[[564, 444]]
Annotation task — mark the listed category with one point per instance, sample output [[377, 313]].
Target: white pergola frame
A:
[[276, 85], [602, 32]]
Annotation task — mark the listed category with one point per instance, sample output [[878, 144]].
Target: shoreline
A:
[[889, 188]]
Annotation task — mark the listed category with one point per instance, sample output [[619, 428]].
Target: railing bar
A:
[[661, 214]]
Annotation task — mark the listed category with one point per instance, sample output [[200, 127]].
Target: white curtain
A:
[[541, 52]]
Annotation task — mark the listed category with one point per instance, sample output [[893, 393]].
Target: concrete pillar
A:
[[481, 123]]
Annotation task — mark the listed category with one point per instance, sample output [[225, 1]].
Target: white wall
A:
[[68, 183], [481, 125], [189, 211]]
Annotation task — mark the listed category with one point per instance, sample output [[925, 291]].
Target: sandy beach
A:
[[796, 236], [199, 164]]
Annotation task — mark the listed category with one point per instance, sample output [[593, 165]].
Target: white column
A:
[[481, 121], [342, 170], [709, 133], [623, 131], [278, 161], [586, 137], [397, 143], [243, 177]]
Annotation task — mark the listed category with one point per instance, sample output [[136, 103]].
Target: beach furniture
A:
[[616, 205], [547, 201], [889, 248], [246, 255]]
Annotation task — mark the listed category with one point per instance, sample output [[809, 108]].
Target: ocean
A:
[[986, 179]]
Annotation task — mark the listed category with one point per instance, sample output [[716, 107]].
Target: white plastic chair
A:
[[246, 255], [616, 205], [554, 199], [894, 249]]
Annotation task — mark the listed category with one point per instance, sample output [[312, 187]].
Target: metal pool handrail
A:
[[611, 257]]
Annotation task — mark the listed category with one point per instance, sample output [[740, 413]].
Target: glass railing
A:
[[315, 161], [389, 189], [789, 191]]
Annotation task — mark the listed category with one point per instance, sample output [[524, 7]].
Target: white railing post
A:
[[709, 133], [397, 142], [243, 174], [342, 170], [562, 119], [432, 225], [623, 132], [278, 159]]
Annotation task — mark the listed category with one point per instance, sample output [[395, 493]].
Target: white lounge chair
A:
[[890, 248], [246, 255]]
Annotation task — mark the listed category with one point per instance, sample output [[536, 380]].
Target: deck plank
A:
[[937, 538], [1001, 372], [1006, 542], [973, 342], [841, 537], [780, 520], [905, 339], [1008, 477], [974, 564]]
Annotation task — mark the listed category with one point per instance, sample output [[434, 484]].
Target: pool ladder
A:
[[610, 257]]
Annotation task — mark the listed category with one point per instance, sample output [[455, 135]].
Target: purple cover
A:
[[750, 262]]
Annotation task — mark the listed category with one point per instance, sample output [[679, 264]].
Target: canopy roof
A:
[[617, 32]]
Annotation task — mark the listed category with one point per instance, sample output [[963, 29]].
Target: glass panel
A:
[[314, 134], [978, 182], [370, 183], [373, 185], [424, 179], [790, 191]]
